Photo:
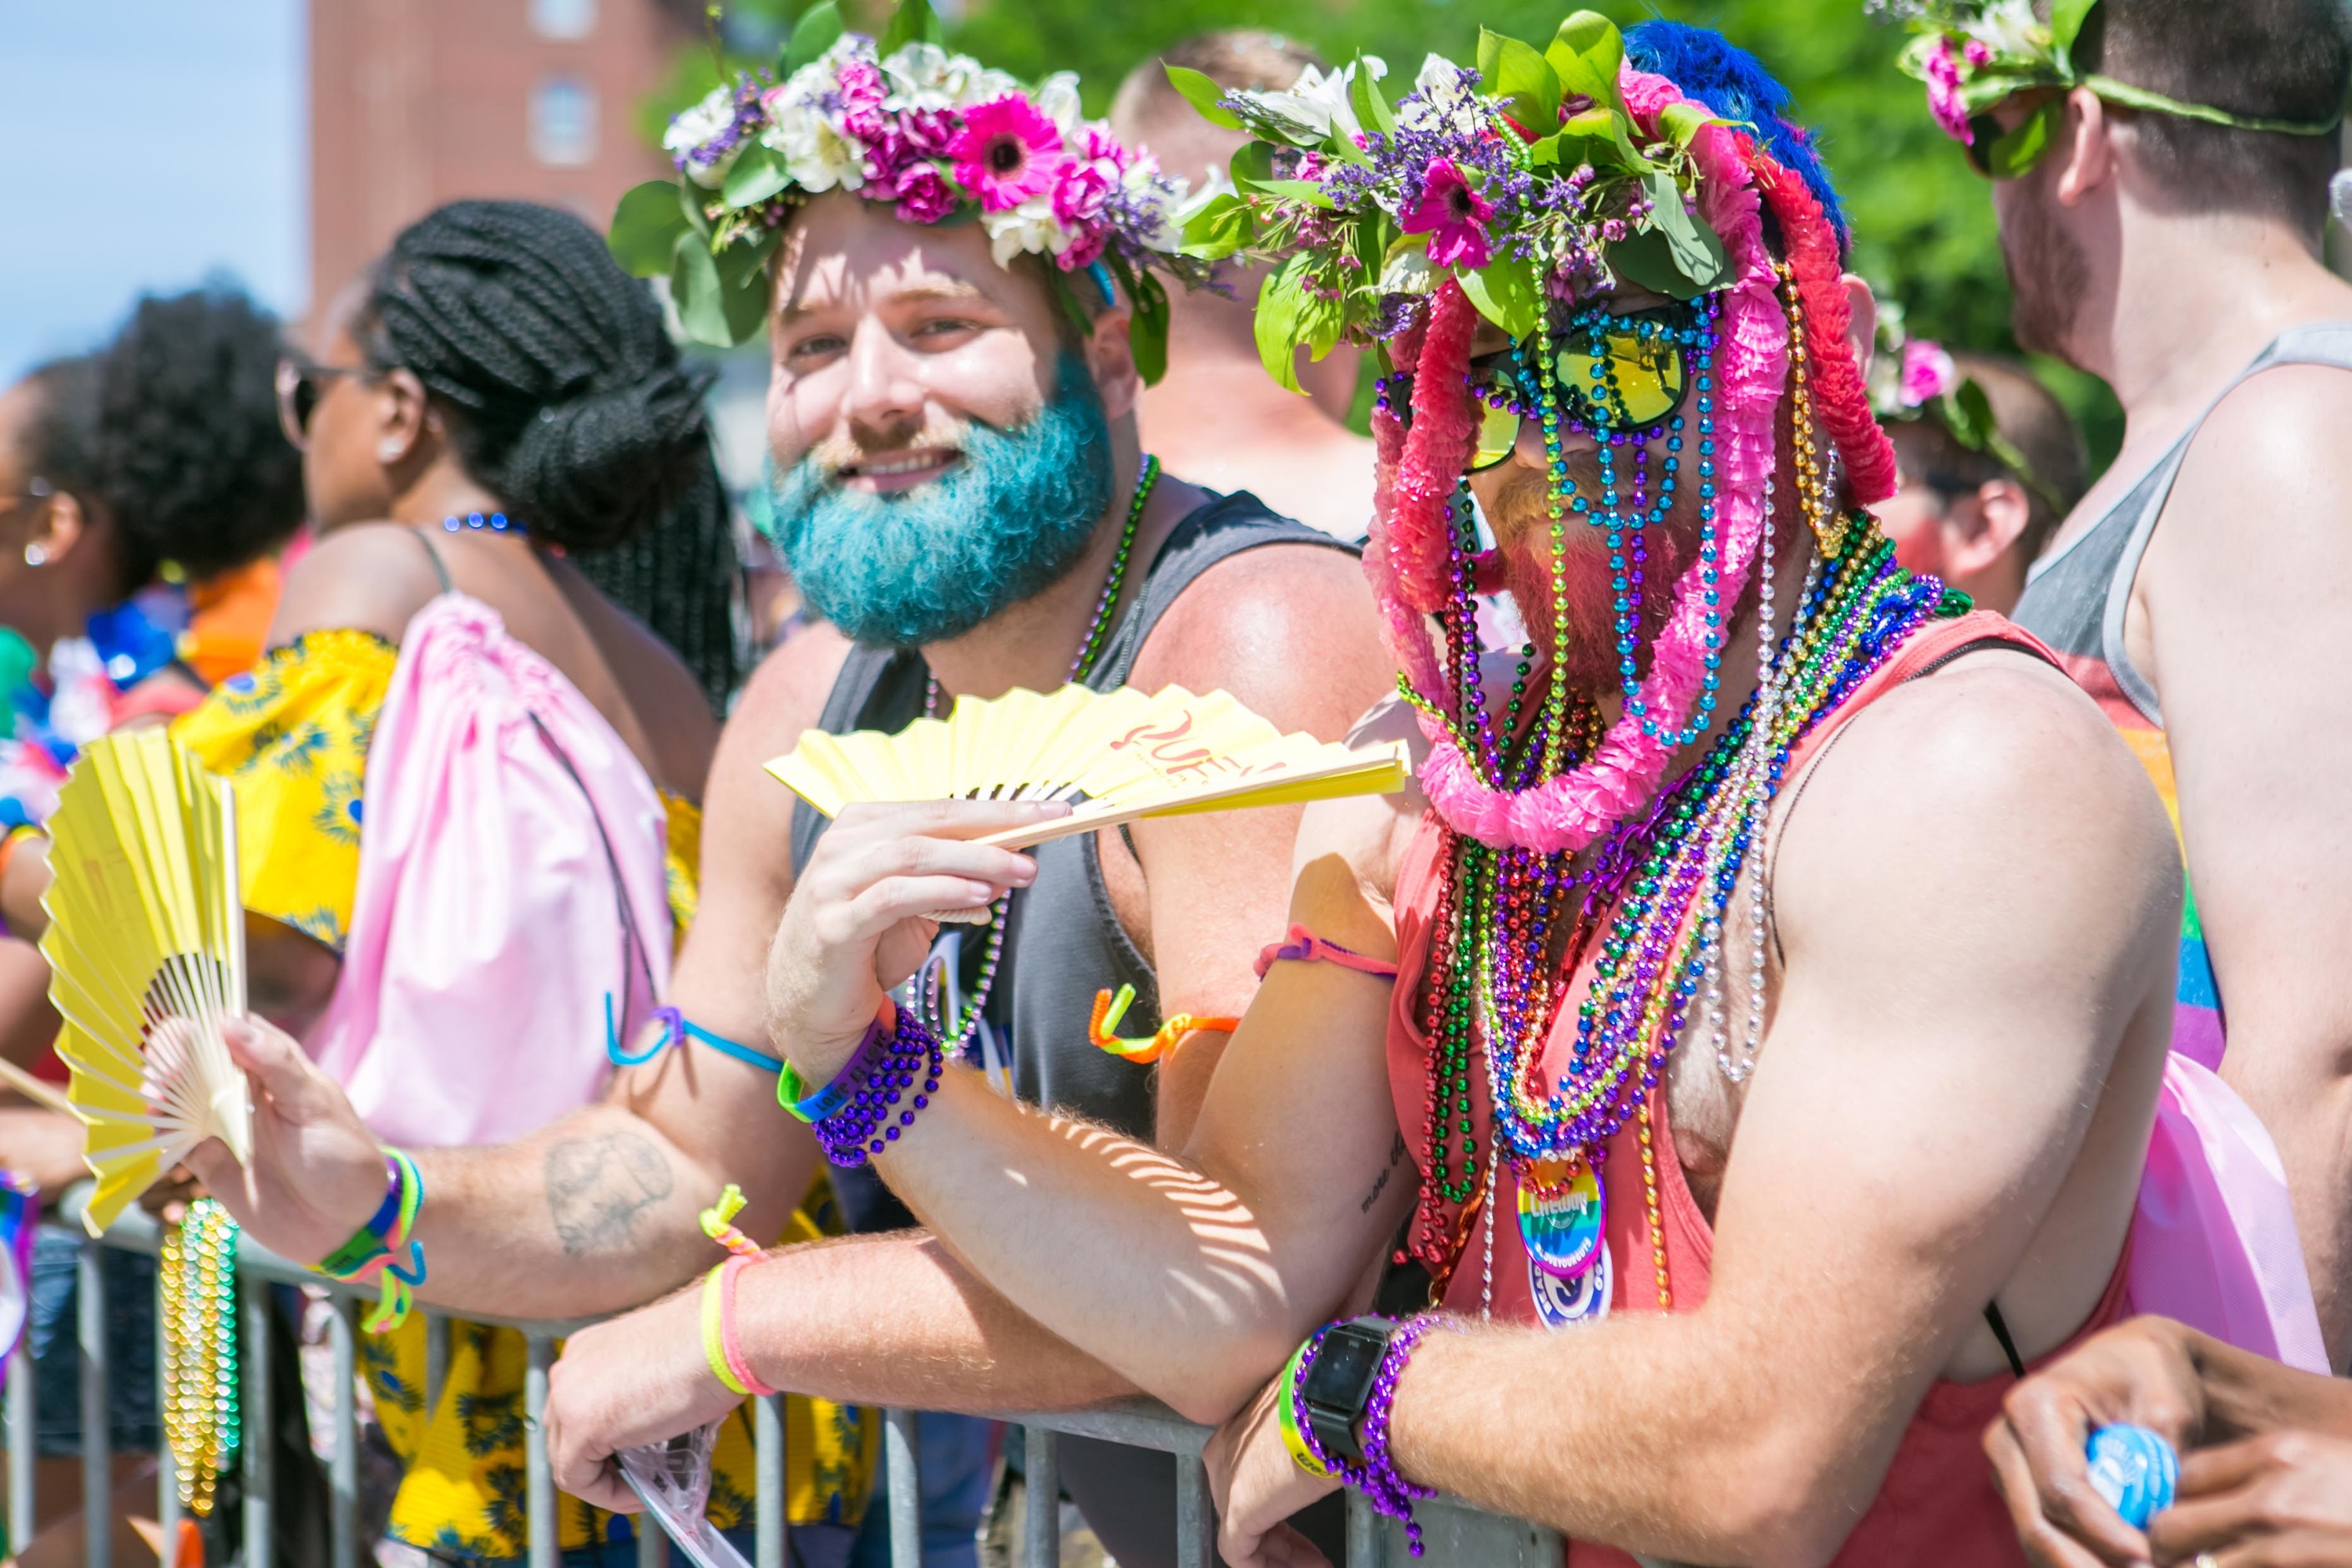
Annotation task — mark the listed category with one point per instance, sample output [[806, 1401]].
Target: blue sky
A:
[[146, 144]]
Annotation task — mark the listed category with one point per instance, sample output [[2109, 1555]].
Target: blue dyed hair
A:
[[1710, 68]]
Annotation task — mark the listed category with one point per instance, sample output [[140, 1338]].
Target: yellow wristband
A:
[[1286, 1403], [714, 1334]]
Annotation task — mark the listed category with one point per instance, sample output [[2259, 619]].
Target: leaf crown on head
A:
[[939, 137], [1524, 179], [1917, 378], [1972, 53]]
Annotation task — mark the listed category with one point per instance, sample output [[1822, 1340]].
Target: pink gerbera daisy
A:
[[1453, 215], [1008, 152]]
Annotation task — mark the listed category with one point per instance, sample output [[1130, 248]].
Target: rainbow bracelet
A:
[[793, 1091], [381, 1239], [721, 1348], [1294, 1426]]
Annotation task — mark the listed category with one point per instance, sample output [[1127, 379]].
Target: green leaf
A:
[[913, 21], [1969, 413], [1521, 79], [1146, 323], [1202, 91], [1692, 246], [1279, 307], [1305, 191], [1220, 227], [1372, 105], [645, 228], [721, 299], [1645, 260], [756, 174], [1610, 146], [2066, 19], [814, 34], [1683, 120], [690, 198], [1585, 53], [1505, 292], [1252, 166]]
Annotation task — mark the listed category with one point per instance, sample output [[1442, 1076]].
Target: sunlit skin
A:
[[887, 339], [1988, 1135]]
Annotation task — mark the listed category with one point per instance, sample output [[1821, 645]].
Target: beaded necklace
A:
[[197, 1271], [1511, 925], [959, 1035]]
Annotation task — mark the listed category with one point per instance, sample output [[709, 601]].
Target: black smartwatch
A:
[[1339, 1384]]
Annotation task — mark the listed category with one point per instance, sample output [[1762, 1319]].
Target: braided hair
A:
[[171, 429], [567, 399]]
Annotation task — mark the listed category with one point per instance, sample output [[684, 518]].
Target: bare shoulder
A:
[[2271, 458], [369, 576], [1995, 800], [1288, 628], [784, 697]]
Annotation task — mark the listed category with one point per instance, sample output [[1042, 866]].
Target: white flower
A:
[[1443, 99], [925, 76], [1318, 97], [2010, 27], [1058, 98], [1031, 227], [704, 122], [816, 153]]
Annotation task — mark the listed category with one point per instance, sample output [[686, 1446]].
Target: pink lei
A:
[[1407, 564]]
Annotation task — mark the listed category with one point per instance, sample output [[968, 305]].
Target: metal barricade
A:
[[1458, 1536]]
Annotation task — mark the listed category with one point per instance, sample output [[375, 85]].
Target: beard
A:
[[1585, 644], [926, 564], [2048, 271]]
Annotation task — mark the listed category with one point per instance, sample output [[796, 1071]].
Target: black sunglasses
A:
[[299, 388]]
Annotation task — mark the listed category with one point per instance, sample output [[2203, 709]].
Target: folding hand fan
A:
[[1117, 755], [146, 950]]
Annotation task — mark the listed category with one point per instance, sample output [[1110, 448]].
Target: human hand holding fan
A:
[[1115, 755], [146, 953]]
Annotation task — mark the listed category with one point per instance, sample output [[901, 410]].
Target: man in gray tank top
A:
[[2161, 200], [964, 495]]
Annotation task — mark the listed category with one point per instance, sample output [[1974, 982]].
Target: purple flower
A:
[[1080, 190], [930, 132], [924, 194], [1928, 371], [1453, 215], [1008, 152], [1943, 73]]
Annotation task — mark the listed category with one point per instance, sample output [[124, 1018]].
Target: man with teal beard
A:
[[962, 495]]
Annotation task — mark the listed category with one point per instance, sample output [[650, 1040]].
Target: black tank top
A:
[[1062, 942]]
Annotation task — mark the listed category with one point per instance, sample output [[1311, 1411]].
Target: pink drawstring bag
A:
[[2214, 1238], [511, 898]]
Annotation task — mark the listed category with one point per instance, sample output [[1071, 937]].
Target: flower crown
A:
[[939, 137], [1916, 378], [1972, 53], [1523, 180]]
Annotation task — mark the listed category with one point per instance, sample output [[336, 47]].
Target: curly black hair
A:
[[568, 401], [172, 430]]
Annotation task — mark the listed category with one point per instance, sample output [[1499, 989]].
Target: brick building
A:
[[416, 102]]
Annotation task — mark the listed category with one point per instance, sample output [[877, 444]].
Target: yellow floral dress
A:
[[293, 735]]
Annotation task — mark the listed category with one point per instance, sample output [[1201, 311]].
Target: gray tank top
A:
[[2076, 598], [1062, 942]]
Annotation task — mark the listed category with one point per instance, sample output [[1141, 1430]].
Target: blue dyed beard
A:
[[926, 565]]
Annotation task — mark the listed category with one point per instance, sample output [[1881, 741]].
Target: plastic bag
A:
[[673, 1481]]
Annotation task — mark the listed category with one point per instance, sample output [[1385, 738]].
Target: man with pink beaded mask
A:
[[1767, 1179]]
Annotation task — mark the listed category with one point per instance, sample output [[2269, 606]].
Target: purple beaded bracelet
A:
[[1377, 1477], [870, 1118]]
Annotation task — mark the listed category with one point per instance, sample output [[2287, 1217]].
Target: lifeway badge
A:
[[1560, 1216], [1563, 1303]]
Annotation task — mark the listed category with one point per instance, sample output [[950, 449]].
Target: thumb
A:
[[297, 1090]]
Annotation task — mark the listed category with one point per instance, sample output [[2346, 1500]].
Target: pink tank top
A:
[[1938, 1504]]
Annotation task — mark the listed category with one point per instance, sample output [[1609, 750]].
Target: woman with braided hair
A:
[[465, 777]]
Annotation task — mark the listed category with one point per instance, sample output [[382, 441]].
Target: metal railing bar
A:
[[23, 1438], [1196, 1518], [539, 1501], [97, 1462], [1041, 1509], [1139, 1422], [437, 1360], [768, 1470], [260, 1425], [343, 1470], [1363, 1532], [902, 1462]]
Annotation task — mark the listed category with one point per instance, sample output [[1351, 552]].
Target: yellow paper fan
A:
[[1117, 754], [146, 951]]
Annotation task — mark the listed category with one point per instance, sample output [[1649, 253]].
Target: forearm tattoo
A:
[[597, 1186]]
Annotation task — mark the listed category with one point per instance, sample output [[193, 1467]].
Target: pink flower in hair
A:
[[924, 194], [1008, 152], [1079, 191], [1086, 249], [930, 132], [1943, 73], [1978, 53], [1453, 215], [1102, 146], [1928, 371], [861, 84]]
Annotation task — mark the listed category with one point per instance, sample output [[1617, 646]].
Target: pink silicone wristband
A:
[[737, 1361]]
